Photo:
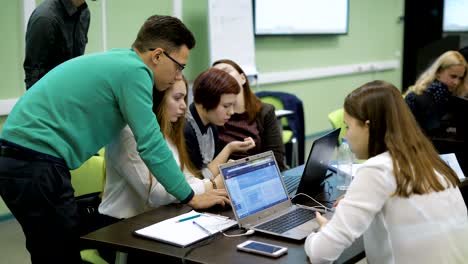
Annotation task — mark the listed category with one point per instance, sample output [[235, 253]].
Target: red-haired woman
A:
[[214, 98], [251, 118]]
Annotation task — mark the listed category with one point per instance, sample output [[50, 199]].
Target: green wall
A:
[[123, 21], [374, 35], [11, 49]]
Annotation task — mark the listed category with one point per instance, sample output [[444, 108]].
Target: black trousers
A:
[[37, 189]]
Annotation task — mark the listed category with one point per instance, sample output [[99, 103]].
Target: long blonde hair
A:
[[444, 61], [174, 131], [393, 128]]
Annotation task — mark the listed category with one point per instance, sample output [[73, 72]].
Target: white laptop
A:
[[259, 198]]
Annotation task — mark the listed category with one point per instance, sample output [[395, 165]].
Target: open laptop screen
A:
[[254, 185]]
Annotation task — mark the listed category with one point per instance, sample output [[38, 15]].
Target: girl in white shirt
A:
[[404, 200], [130, 189]]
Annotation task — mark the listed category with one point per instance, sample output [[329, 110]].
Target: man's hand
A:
[[209, 199], [321, 220]]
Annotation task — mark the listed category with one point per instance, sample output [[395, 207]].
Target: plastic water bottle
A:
[[344, 161]]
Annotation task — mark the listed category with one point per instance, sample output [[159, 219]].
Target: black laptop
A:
[[459, 107], [315, 169]]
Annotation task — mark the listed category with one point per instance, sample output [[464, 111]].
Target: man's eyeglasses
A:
[[180, 67]]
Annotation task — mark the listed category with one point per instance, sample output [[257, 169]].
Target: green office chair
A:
[[336, 120], [88, 182], [102, 152], [92, 256], [90, 177], [288, 135]]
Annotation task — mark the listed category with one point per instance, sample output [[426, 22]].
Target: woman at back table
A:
[[251, 118], [404, 199], [130, 188], [214, 97], [428, 98]]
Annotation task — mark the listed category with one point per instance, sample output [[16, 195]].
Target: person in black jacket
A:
[[429, 97], [57, 31]]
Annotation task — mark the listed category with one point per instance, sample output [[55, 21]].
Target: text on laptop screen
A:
[[254, 186]]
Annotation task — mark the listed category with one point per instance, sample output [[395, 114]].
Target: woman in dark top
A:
[[214, 97], [429, 98], [251, 118]]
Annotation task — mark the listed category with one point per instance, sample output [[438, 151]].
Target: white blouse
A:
[[128, 189], [429, 228]]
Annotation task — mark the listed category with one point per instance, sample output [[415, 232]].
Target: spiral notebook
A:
[[186, 229]]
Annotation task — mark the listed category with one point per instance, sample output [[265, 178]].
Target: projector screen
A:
[[301, 17], [455, 16]]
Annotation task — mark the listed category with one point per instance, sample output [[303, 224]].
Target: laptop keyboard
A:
[[291, 182], [288, 221]]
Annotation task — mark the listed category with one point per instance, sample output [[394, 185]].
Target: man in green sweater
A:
[[71, 113]]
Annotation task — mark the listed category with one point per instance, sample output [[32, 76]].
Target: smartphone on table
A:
[[262, 248]]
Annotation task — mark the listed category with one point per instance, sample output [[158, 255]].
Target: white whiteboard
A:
[[301, 17], [455, 18], [230, 33]]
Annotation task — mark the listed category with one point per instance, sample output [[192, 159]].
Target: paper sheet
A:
[[186, 233], [452, 161]]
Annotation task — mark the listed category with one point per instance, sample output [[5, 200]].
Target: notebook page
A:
[[186, 233]]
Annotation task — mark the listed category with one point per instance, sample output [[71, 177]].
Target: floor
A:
[[12, 243]]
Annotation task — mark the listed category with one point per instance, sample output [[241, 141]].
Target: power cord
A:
[[199, 245], [247, 233], [315, 207], [210, 239]]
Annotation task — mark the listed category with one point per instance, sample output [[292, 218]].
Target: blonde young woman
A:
[[429, 98], [130, 188], [404, 199]]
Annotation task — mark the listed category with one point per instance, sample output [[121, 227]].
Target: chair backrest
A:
[[287, 135], [102, 152], [90, 177], [92, 256], [295, 123], [336, 120], [276, 102]]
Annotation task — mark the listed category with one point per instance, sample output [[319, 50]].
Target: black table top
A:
[[219, 249]]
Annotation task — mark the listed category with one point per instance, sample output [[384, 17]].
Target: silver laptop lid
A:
[[255, 187]]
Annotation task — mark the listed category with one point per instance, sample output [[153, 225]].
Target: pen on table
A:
[[202, 228], [188, 218]]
